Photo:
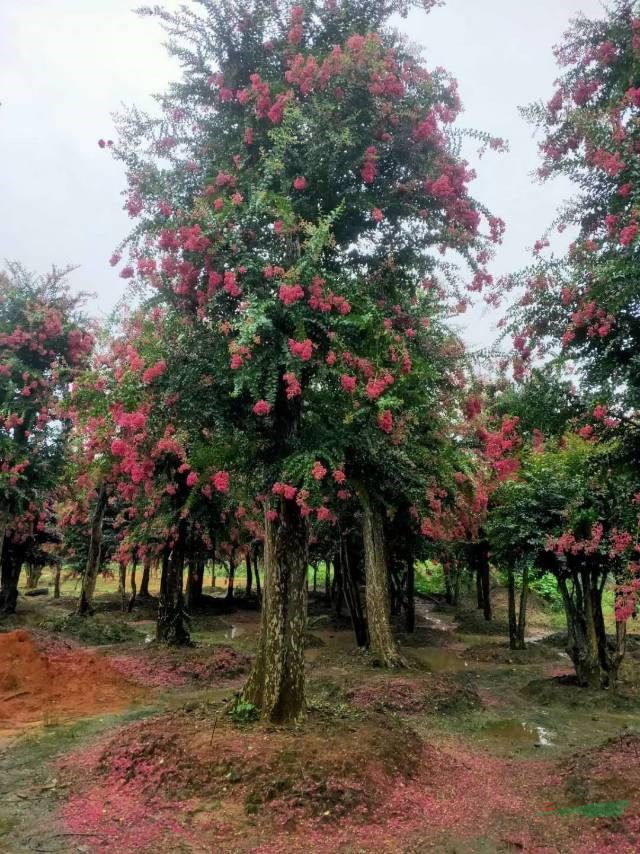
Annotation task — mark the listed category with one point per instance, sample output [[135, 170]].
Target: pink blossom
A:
[[318, 471], [262, 407], [301, 349], [220, 480]]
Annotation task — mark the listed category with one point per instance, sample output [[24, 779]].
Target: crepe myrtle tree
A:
[[295, 201], [583, 305], [44, 341], [573, 511]]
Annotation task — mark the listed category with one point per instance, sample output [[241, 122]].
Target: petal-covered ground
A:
[[473, 749]]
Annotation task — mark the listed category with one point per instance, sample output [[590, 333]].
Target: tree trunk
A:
[[195, 581], [337, 588], [522, 614], [327, 580], [479, 588], [144, 582], [12, 558], [511, 596], [485, 580], [410, 611], [133, 585], [256, 574], [85, 603], [171, 625], [352, 597], [56, 582], [122, 585], [276, 682], [4, 522], [517, 617], [33, 576], [381, 638], [315, 577], [249, 586], [232, 575], [618, 655], [582, 645]]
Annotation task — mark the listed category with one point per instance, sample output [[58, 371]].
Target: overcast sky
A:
[[67, 64]]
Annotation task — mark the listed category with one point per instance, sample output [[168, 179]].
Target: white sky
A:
[[65, 65]]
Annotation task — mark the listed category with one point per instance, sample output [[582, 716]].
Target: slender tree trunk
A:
[[327, 580], [479, 588], [247, 561], [144, 581], [134, 588], [256, 574], [56, 582], [33, 576], [381, 637], [337, 589], [195, 581], [485, 580], [171, 625], [4, 523], [410, 613], [122, 585], [456, 584], [352, 597], [448, 585], [618, 655], [232, 575], [85, 603], [511, 595], [315, 577], [12, 558], [522, 614], [276, 682]]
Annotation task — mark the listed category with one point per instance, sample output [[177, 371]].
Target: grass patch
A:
[[95, 631]]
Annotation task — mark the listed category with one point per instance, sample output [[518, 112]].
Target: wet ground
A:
[[474, 748]]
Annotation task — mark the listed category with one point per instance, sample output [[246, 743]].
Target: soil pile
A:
[[50, 685]]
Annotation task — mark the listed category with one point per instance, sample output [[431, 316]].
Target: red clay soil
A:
[[37, 685]]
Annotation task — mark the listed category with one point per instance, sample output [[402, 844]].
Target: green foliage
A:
[[98, 630], [242, 712]]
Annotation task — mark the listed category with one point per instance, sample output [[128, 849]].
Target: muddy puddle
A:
[[515, 733]]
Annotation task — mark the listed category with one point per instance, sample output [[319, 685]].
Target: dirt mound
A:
[[182, 776], [38, 685], [166, 668], [432, 693]]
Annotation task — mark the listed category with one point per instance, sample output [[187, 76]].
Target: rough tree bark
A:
[[381, 637], [85, 603], [276, 681], [56, 582], [171, 625]]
